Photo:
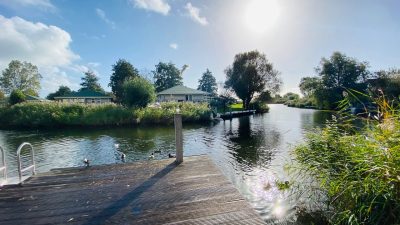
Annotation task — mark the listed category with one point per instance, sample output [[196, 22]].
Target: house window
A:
[[93, 101]]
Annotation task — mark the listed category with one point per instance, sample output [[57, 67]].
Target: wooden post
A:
[[178, 137]]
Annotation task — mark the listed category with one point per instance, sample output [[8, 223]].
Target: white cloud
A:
[[103, 16], [46, 46], [173, 46], [159, 6], [194, 13], [42, 4]]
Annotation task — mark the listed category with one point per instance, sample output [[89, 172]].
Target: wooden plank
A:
[[151, 192]]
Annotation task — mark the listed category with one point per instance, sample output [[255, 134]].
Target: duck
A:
[[171, 155], [123, 156], [151, 156], [87, 162], [116, 145]]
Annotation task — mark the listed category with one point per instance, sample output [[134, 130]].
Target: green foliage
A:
[[387, 82], [167, 75], [208, 83], [16, 97], [22, 76], [122, 71], [62, 90], [308, 85], [91, 82], [357, 170], [251, 73], [265, 97], [138, 92], [53, 114], [260, 107]]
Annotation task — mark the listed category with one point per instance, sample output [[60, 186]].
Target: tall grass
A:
[[62, 114], [358, 171]]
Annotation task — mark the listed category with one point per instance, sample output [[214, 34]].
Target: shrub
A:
[[16, 97], [357, 170], [138, 92], [260, 107]]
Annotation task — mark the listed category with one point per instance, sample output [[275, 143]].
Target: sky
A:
[[65, 38]]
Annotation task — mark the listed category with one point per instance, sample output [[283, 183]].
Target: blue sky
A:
[[65, 38]]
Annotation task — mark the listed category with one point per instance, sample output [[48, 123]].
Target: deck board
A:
[[151, 192]]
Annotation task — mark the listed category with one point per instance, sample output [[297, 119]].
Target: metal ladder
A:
[[3, 168], [32, 167]]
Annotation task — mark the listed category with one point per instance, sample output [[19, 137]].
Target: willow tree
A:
[[250, 74]]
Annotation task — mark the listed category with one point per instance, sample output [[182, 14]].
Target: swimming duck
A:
[[171, 155], [87, 162], [123, 156], [151, 156]]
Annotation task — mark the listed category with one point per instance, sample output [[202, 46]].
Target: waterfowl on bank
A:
[[151, 156], [86, 162], [171, 155]]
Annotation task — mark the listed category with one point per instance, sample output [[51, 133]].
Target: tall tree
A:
[[91, 82], [138, 92], [251, 73], [208, 83], [22, 76], [308, 85], [62, 90], [122, 71], [167, 75], [340, 71]]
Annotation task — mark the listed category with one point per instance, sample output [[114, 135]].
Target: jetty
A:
[[235, 114], [150, 192]]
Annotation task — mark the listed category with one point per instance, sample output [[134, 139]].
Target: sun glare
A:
[[261, 15]]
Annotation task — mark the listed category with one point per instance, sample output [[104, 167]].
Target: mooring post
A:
[[178, 137]]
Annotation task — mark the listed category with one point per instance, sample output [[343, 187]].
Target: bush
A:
[[16, 97], [358, 171], [138, 92], [260, 107], [52, 114]]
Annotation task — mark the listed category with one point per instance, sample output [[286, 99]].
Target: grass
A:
[[357, 170], [30, 114]]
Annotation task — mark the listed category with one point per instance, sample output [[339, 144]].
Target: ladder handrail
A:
[[31, 167], [4, 166]]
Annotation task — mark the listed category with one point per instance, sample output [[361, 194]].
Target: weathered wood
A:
[[178, 137], [151, 192]]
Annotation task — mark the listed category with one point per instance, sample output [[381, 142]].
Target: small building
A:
[[181, 93], [86, 97]]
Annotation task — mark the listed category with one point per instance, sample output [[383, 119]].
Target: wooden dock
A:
[[235, 114], [151, 192]]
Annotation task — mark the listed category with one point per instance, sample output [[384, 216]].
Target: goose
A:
[[171, 155], [87, 162], [151, 156]]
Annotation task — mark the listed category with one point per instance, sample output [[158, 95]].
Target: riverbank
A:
[[57, 115]]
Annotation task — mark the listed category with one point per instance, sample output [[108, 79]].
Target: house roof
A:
[[34, 98], [85, 94], [182, 90]]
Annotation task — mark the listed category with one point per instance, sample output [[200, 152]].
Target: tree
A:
[[167, 75], [21, 76], [122, 71], [91, 82], [17, 96], [208, 83], [387, 82], [62, 90], [251, 73], [339, 73], [138, 92], [291, 96], [308, 85], [264, 97]]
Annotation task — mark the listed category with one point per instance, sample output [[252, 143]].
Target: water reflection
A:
[[250, 151]]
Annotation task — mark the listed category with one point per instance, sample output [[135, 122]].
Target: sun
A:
[[261, 15]]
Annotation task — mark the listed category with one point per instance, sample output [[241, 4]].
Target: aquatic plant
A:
[[357, 169]]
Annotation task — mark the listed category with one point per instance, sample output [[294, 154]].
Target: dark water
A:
[[250, 151]]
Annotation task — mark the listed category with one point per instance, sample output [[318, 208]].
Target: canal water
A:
[[251, 151]]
